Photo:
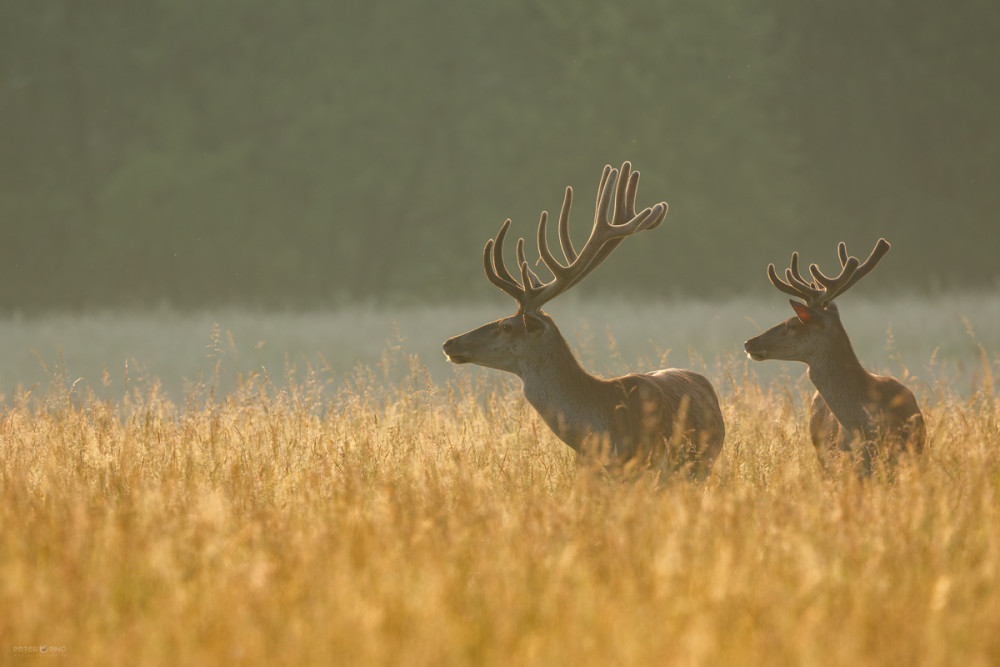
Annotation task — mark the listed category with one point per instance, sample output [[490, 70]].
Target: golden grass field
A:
[[383, 517]]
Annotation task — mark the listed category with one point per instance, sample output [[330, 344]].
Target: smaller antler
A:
[[822, 289], [531, 293]]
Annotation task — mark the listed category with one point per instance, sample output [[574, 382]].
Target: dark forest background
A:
[[305, 154]]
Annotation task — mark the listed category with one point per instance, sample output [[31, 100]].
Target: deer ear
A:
[[804, 313], [533, 323]]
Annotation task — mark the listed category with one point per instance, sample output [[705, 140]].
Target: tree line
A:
[[304, 154]]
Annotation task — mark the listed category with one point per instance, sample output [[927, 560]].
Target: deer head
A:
[[528, 337], [816, 331]]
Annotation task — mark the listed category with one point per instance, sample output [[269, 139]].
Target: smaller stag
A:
[[870, 417], [667, 420]]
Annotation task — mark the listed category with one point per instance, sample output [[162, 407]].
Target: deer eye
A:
[[506, 327]]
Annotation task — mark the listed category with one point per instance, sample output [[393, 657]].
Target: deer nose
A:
[[753, 349], [450, 351]]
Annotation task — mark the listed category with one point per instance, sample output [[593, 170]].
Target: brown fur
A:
[[667, 420], [872, 417], [896, 426], [672, 419]]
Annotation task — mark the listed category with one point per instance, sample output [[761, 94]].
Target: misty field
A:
[[233, 488]]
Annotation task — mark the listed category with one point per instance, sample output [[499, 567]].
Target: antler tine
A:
[[622, 201], [607, 234], [796, 285], [630, 191], [531, 293], [602, 188], [555, 266], [842, 253], [628, 185], [809, 291], [564, 241], [795, 278], [878, 252], [772, 274], [823, 289], [624, 220], [493, 263], [508, 286], [622, 194], [834, 286], [625, 192], [498, 264], [529, 279], [604, 198]]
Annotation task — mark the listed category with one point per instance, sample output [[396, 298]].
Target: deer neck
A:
[[843, 383], [566, 396]]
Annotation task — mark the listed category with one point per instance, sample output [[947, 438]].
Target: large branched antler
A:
[[822, 289], [530, 292]]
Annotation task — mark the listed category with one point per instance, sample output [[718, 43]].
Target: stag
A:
[[666, 420], [870, 418]]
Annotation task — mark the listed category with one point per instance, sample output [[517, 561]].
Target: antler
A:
[[822, 290], [531, 293]]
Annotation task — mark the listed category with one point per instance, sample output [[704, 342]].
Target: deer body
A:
[[669, 419], [853, 411]]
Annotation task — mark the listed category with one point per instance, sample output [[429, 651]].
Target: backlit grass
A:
[[373, 520]]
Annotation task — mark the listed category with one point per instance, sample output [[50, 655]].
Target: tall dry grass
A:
[[387, 522]]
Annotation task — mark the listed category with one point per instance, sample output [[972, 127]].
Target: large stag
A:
[[668, 420], [869, 417]]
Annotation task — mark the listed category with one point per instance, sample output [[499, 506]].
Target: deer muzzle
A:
[[755, 350], [453, 351]]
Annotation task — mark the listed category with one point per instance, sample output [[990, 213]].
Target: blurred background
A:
[[316, 154]]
